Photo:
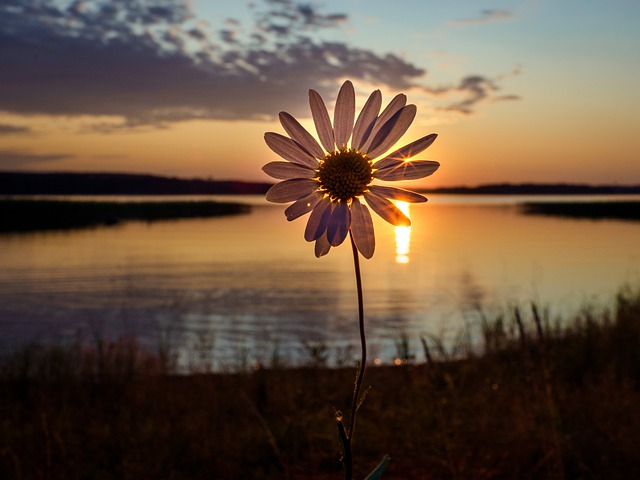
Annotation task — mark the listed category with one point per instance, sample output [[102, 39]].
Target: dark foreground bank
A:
[[540, 402], [32, 215], [614, 210]]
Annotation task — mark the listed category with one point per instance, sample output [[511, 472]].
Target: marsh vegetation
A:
[[539, 401]]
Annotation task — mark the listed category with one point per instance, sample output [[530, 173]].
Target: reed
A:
[[539, 400]]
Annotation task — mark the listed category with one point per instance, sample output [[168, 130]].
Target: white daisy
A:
[[331, 182]]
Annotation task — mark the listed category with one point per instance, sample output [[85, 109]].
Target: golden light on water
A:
[[403, 236]]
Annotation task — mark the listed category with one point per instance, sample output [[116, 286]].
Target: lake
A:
[[251, 287]]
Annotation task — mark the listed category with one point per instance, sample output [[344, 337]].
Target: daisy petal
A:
[[318, 221], [391, 131], [309, 189], [322, 246], [395, 104], [298, 133], [397, 194], [321, 120], [362, 229], [344, 114], [398, 102], [366, 119], [303, 206], [290, 190], [410, 170], [387, 210], [287, 170], [339, 224], [408, 151], [289, 150]]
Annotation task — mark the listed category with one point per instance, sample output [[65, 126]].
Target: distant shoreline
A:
[[617, 210], [24, 215], [39, 215], [538, 189], [61, 183], [23, 183], [18, 213]]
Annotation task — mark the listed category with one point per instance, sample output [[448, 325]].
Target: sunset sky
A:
[[519, 91]]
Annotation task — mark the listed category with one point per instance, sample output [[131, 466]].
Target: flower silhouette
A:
[[331, 182]]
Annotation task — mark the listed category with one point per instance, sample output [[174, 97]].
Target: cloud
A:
[[152, 65], [17, 159], [14, 130], [473, 90], [297, 17], [486, 16], [476, 89]]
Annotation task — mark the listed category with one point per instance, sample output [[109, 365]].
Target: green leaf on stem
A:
[[375, 474]]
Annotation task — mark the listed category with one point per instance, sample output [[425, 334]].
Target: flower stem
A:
[[363, 360]]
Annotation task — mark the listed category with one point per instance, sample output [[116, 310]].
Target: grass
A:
[[32, 215], [539, 401]]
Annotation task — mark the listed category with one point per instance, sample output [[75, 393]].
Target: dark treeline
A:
[[23, 183], [34, 183], [619, 210], [35, 215], [539, 189]]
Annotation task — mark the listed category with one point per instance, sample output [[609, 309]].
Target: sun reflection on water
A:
[[403, 236]]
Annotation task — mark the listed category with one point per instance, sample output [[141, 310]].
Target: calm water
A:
[[250, 284]]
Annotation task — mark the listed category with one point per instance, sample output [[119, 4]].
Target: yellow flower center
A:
[[344, 174]]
